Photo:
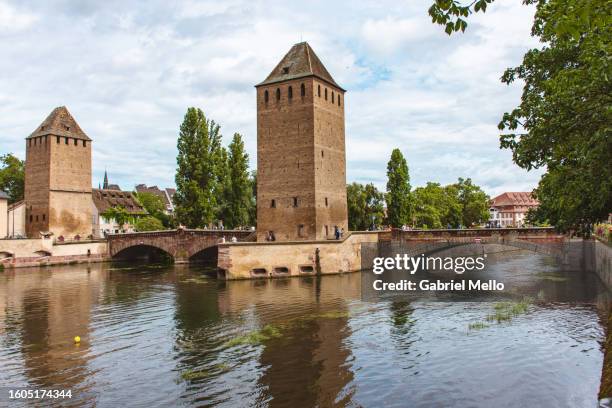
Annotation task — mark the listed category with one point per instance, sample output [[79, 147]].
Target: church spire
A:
[[105, 185]]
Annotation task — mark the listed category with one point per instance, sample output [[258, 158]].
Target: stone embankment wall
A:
[[16, 253], [244, 260]]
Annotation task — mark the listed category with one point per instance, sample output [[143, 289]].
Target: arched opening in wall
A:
[[259, 272], [42, 253], [319, 90], [5, 255], [290, 92], [144, 253], [281, 271], [277, 94], [303, 90], [207, 257], [266, 96], [338, 100]]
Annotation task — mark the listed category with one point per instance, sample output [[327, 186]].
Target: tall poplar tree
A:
[[239, 194], [399, 203], [199, 145]]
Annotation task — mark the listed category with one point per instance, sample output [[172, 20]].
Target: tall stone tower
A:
[[301, 164], [58, 178]]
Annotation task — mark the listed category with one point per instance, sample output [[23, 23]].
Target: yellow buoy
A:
[[77, 339]]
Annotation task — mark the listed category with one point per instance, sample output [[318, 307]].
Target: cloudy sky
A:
[[128, 71]]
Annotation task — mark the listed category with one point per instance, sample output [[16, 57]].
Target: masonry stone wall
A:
[[298, 258]]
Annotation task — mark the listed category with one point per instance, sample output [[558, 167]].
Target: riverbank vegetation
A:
[[461, 204]]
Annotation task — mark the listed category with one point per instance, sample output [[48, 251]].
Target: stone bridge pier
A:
[[181, 244]]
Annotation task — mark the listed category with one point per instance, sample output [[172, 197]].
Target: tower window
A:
[[295, 201], [278, 94], [273, 204], [285, 70], [322, 154], [58, 139], [301, 230], [266, 96], [326, 202], [43, 217], [332, 96], [319, 90], [75, 142], [325, 93], [338, 100], [37, 218], [290, 92], [31, 218], [66, 140], [84, 143], [303, 90]]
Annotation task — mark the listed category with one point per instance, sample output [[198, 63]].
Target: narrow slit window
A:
[[290, 93], [319, 90], [273, 204], [303, 90], [333, 97], [278, 94], [266, 96], [295, 201], [325, 93]]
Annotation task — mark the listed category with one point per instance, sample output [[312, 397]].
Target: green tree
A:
[[240, 190], [365, 206], [149, 224], [399, 211], [12, 177], [119, 214], [199, 151], [563, 121], [474, 202], [437, 206], [156, 207], [253, 207]]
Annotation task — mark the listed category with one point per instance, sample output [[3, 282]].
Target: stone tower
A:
[[58, 178], [301, 164]]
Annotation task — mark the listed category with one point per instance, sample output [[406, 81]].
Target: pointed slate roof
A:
[[60, 123], [301, 61]]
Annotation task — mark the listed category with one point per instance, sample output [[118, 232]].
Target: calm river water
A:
[[170, 336]]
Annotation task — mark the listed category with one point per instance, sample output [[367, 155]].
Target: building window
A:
[[325, 93], [66, 140], [301, 230], [58, 139], [303, 90], [84, 143], [326, 230], [290, 93], [295, 201], [338, 100], [31, 218], [37, 218], [322, 154], [75, 142], [273, 204], [333, 97], [43, 217], [266, 96], [278, 94], [319, 90], [326, 202]]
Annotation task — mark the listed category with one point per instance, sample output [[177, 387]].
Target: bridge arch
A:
[[143, 252]]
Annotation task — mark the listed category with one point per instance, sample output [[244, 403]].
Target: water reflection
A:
[[156, 336]]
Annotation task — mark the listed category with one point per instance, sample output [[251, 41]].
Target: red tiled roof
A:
[[104, 199], [515, 198]]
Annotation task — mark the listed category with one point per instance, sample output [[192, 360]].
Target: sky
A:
[[128, 71]]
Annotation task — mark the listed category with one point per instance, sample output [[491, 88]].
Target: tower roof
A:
[[60, 123], [301, 61]]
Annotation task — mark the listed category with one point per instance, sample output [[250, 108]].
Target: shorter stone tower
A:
[[301, 165], [58, 178]]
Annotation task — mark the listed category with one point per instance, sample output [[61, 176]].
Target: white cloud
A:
[[12, 20]]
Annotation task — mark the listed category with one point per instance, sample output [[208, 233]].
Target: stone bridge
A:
[[416, 242], [183, 245]]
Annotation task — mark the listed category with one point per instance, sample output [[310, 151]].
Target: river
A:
[[171, 336]]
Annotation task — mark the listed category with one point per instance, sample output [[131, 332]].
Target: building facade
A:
[[58, 178], [112, 198], [16, 220], [301, 161], [510, 209]]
